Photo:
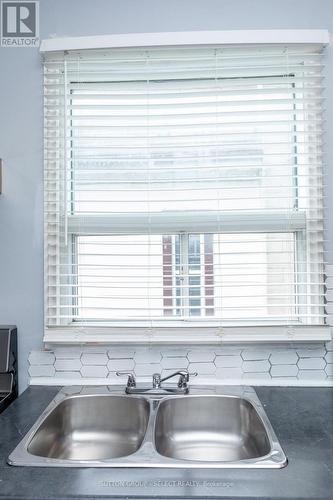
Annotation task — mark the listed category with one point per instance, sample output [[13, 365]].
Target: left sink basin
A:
[[92, 427]]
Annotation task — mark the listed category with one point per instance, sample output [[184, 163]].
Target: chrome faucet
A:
[[184, 378], [182, 385]]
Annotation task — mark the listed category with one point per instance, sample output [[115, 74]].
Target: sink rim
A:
[[147, 456], [262, 417]]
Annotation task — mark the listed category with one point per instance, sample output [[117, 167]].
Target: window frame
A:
[[266, 331]]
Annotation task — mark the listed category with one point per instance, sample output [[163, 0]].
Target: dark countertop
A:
[[301, 417]]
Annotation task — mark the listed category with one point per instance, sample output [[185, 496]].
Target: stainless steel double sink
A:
[[212, 427]]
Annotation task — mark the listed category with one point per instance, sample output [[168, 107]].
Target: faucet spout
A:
[[184, 376]]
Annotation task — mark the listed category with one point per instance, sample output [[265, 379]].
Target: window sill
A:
[[185, 334]]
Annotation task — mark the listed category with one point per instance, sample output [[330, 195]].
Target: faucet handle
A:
[[131, 382], [186, 374], [185, 378]]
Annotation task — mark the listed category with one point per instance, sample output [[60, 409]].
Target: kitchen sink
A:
[[92, 428], [212, 427]]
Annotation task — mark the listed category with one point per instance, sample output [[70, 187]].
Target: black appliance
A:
[[8, 366]]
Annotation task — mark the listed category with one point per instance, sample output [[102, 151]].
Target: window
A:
[[188, 286], [183, 186]]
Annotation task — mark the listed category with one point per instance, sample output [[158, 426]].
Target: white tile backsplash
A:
[[174, 363], [255, 354], [68, 364], [94, 371], [329, 346], [286, 357], [148, 356], [228, 361], [201, 356], [115, 365], [202, 368], [229, 373], [284, 371], [329, 370], [68, 352], [94, 349], [329, 357], [296, 362], [116, 379], [256, 366], [311, 363], [94, 359], [120, 353], [68, 375], [41, 371], [227, 351], [41, 358], [311, 352], [174, 352], [312, 375], [147, 369]]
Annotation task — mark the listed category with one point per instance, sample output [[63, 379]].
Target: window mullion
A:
[[184, 270]]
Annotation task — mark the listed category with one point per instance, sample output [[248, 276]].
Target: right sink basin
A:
[[210, 429]]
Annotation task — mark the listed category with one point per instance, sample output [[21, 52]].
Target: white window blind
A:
[[184, 185]]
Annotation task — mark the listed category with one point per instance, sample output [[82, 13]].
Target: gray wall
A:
[[21, 223]]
